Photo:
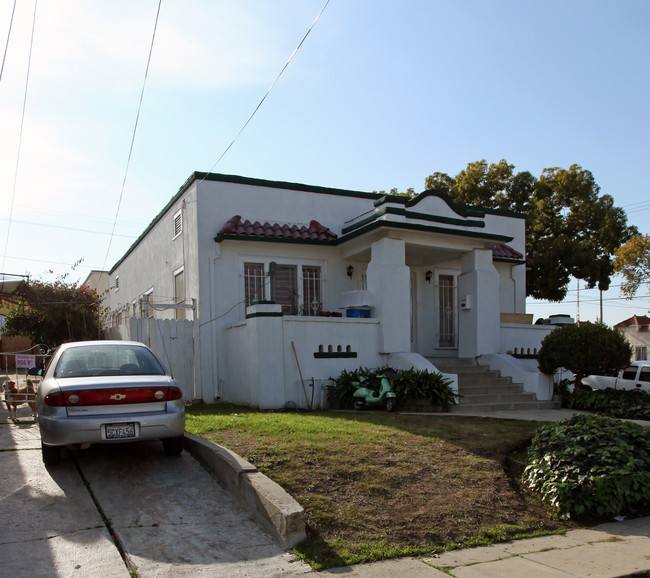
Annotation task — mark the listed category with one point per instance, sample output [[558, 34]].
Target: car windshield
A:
[[103, 359]]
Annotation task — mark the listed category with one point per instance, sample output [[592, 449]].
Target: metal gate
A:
[[18, 387]]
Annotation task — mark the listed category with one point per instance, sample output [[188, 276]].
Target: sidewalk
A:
[[549, 415], [608, 550]]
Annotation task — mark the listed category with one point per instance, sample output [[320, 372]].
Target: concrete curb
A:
[[271, 506]]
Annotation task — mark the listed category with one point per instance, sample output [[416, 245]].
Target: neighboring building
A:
[[11, 288], [636, 332], [98, 280], [270, 266]]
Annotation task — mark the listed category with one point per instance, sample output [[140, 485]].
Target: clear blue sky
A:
[[380, 95]]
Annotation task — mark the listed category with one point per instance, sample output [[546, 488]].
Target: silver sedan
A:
[[107, 392]]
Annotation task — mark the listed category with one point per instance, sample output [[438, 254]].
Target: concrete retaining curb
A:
[[272, 507]]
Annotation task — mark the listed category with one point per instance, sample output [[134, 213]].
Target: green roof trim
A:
[[197, 177], [412, 215], [462, 210], [375, 224], [509, 261], [220, 238], [217, 177]]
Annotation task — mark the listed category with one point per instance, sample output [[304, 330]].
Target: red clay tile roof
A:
[[506, 252], [634, 320], [235, 227]]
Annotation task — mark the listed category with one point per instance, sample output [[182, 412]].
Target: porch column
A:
[[479, 320], [389, 281]]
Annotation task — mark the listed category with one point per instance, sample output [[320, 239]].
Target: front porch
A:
[[278, 360]]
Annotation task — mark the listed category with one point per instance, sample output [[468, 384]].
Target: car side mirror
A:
[[35, 371]]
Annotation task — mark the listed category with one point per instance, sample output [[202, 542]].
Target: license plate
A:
[[115, 431]]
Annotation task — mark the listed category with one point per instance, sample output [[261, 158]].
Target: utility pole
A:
[[601, 306]]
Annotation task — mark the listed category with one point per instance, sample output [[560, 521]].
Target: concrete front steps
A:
[[485, 390]]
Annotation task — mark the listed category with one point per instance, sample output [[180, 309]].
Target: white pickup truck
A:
[[635, 376]]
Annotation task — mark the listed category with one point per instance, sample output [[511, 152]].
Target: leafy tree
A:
[[410, 192], [54, 313], [632, 260], [572, 231], [589, 349]]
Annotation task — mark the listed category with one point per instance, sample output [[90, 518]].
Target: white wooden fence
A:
[[172, 340]]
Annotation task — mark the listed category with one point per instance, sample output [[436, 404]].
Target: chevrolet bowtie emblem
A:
[[118, 396]]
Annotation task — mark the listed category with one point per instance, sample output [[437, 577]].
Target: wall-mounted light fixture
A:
[[428, 276], [350, 270]]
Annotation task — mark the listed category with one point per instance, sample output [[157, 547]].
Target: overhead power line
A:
[[65, 228], [11, 21], [223, 154], [20, 137], [637, 206], [135, 129], [48, 262]]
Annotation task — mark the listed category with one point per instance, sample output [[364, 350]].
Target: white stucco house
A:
[[293, 283], [636, 330]]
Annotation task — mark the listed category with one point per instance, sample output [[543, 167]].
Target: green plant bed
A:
[[411, 387], [625, 404], [591, 465]]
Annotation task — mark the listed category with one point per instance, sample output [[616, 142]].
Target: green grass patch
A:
[[376, 485]]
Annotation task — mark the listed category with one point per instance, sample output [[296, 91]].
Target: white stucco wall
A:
[[523, 338], [508, 225], [214, 276], [637, 338], [260, 347], [512, 288], [152, 263]]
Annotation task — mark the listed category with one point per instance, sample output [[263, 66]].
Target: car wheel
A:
[[391, 404], [173, 446], [51, 454]]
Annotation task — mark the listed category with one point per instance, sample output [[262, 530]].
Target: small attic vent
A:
[[178, 224]]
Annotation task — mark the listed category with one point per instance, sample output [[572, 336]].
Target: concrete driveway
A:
[[112, 509]]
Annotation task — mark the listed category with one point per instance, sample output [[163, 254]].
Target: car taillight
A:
[[174, 393], [119, 396], [55, 399]]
